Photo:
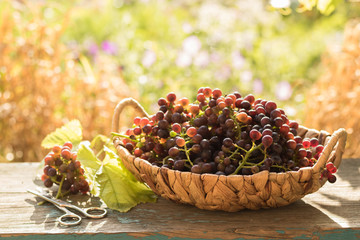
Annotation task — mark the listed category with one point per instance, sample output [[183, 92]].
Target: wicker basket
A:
[[232, 193]]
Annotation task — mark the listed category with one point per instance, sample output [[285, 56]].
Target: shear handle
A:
[[92, 212], [69, 219]]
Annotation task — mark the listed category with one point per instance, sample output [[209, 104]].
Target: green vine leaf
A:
[[90, 163], [71, 131], [101, 140], [326, 7], [118, 188], [112, 182]]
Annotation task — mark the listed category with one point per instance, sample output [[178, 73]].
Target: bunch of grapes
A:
[[62, 169], [329, 171], [224, 135]]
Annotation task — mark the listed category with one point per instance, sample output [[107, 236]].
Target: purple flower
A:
[[258, 86], [148, 58], [93, 49], [202, 59], [283, 90], [192, 45], [187, 28], [223, 73], [109, 47], [238, 60], [183, 60], [215, 57], [246, 76]]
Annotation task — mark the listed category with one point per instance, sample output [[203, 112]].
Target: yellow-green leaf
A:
[[101, 140], [71, 131], [118, 189], [326, 7], [112, 182], [90, 163]]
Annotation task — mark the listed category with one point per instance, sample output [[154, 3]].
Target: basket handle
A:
[[120, 107], [335, 146]]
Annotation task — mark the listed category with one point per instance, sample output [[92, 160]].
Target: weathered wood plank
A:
[[335, 207]]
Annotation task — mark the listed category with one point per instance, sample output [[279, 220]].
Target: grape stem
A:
[[238, 147], [247, 155], [282, 167], [187, 155], [164, 159], [258, 164], [99, 153], [121, 135], [235, 152], [60, 186]]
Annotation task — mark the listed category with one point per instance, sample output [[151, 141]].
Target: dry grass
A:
[[43, 85], [335, 99]]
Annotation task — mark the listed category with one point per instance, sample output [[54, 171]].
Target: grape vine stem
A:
[[60, 186], [247, 155], [187, 155]]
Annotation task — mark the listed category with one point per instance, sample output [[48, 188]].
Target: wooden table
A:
[[331, 213]]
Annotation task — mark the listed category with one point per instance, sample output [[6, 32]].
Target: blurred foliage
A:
[[336, 95], [76, 59], [43, 84], [235, 45]]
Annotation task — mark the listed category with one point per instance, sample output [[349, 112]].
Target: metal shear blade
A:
[[70, 218]]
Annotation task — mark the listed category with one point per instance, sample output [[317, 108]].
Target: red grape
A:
[[293, 124], [332, 178], [68, 144], [162, 102], [267, 132], [314, 142], [56, 149], [173, 152], [319, 148], [176, 127], [250, 98], [228, 101], [238, 102], [48, 160], [291, 144], [194, 109], [137, 121], [242, 117], [144, 121], [180, 142], [207, 92], [255, 134], [184, 101], [267, 140], [171, 97], [201, 97], [217, 93], [270, 106], [284, 129], [138, 152], [306, 143], [191, 131], [137, 130], [331, 167], [65, 153]]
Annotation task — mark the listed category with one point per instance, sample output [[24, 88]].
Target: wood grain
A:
[[334, 208]]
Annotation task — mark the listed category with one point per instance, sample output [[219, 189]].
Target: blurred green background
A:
[[76, 59]]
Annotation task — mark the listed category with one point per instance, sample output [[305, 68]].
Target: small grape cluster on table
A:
[[62, 168], [223, 135]]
